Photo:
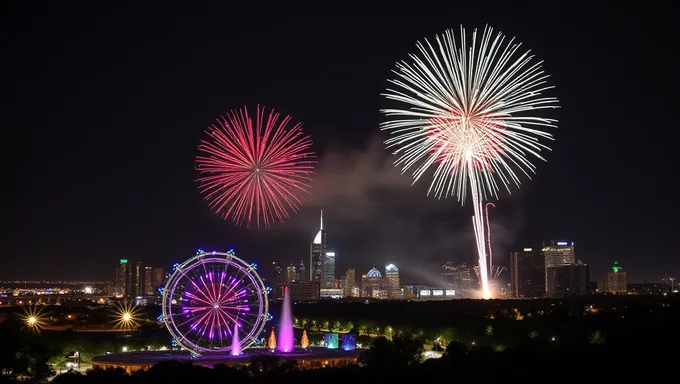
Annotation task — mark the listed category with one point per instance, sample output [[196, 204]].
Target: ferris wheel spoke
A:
[[194, 297], [206, 293]]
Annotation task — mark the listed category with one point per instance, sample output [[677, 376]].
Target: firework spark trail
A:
[[255, 172], [488, 233], [471, 112]]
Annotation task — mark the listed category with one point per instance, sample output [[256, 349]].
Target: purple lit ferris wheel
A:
[[213, 299]]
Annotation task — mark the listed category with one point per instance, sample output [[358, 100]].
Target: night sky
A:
[[106, 106]]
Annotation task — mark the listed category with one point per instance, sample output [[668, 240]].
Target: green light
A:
[[616, 267], [123, 261], [331, 340]]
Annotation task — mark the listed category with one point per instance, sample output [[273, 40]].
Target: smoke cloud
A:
[[375, 216]]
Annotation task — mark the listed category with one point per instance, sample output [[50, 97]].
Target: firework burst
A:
[[471, 111], [255, 171]]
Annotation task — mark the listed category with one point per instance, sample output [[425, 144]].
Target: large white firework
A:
[[471, 111]]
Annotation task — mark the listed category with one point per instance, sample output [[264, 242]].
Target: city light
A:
[[126, 315], [34, 318]]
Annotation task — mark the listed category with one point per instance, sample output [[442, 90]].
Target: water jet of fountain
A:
[[286, 337], [235, 343]]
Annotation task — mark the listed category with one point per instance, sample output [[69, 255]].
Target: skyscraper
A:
[[558, 254], [121, 274], [291, 274], [527, 274], [317, 253], [568, 280], [616, 279], [391, 283], [457, 276], [328, 270], [350, 282], [130, 278], [148, 281], [158, 277], [302, 272], [134, 282]]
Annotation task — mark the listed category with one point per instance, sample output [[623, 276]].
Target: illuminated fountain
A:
[[286, 341], [235, 343]]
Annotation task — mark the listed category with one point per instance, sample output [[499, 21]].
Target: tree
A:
[[272, 340], [304, 341], [392, 356], [456, 350], [447, 336], [596, 338]]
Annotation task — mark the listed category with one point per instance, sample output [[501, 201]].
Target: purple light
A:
[[214, 305], [235, 342], [286, 341]]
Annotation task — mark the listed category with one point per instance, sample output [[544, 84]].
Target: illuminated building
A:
[[371, 284], [332, 293], [391, 282], [568, 280], [148, 281], [557, 254], [291, 274], [130, 278], [616, 279], [158, 277], [317, 253], [439, 293], [302, 290], [328, 271], [121, 277], [527, 274], [457, 276], [350, 282]]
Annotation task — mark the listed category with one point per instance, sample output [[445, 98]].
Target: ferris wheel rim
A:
[[204, 258]]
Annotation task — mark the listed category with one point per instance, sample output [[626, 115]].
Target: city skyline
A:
[[106, 172]]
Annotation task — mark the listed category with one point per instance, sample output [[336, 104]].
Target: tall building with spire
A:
[[317, 253]]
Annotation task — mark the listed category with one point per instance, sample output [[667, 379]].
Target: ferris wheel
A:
[[212, 299]]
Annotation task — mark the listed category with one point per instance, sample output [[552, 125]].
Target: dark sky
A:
[[105, 108]]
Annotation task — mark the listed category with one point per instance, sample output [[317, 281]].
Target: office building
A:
[[617, 281], [148, 281], [350, 283], [527, 274], [328, 280], [391, 282], [121, 277], [458, 277], [371, 284], [317, 253], [557, 254], [158, 277], [291, 274], [568, 280]]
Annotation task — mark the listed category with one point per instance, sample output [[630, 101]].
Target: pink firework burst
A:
[[255, 171]]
